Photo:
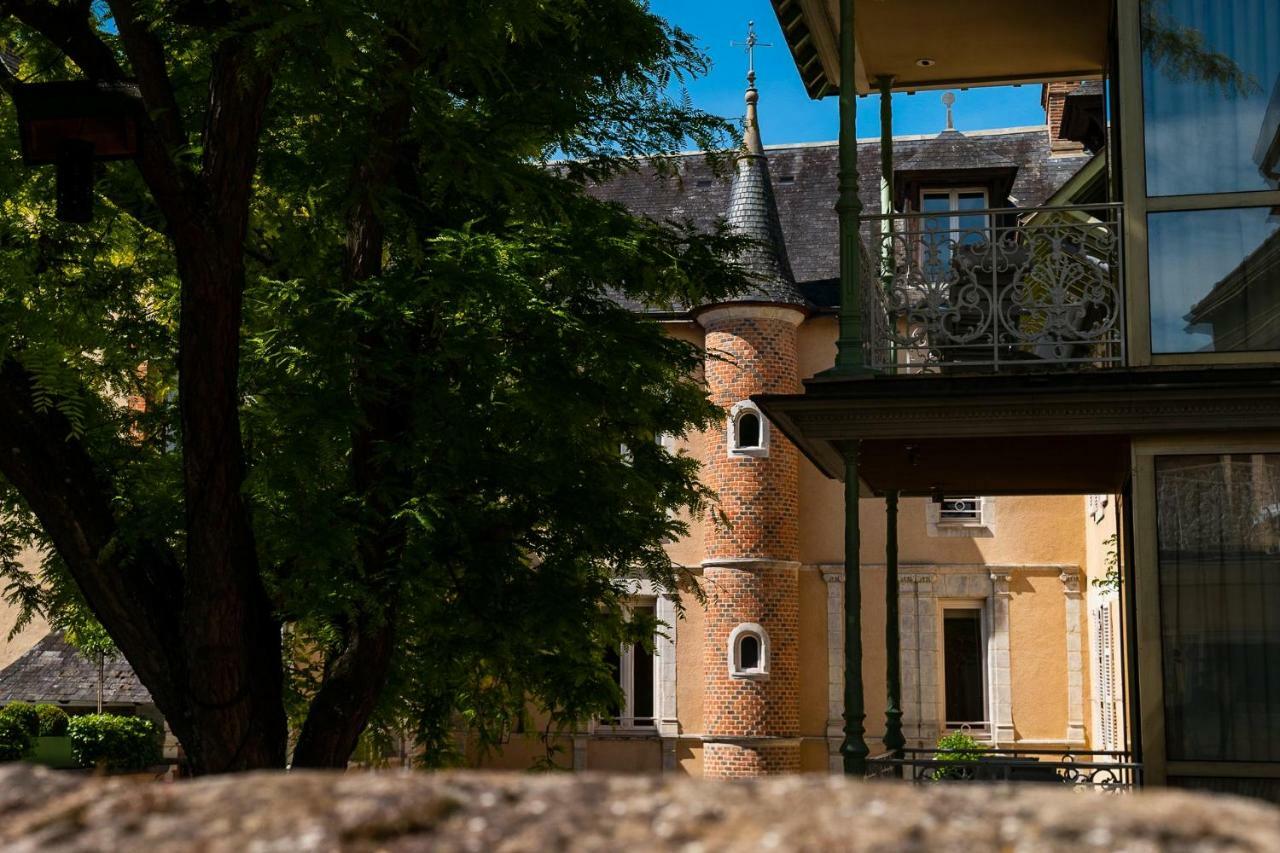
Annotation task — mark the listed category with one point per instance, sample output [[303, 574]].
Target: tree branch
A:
[[134, 592], [146, 55]]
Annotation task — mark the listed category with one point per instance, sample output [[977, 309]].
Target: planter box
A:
[[53, 752]]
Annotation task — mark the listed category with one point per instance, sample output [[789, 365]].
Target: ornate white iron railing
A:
[[993, 290]]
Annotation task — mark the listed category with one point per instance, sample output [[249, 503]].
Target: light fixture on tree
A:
[[72, 124]]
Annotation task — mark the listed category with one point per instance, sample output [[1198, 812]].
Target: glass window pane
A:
[[934, 202], [1215, 280], [748, 653], [1218, 532], [642, 699], [1211, 94]]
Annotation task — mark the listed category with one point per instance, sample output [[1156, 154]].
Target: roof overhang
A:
[[968, 42], [1045, 433]]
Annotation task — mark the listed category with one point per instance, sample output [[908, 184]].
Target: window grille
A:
[[961, 510]]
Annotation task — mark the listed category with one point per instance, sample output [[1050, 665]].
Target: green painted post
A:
[[893, 739], [854, 748], [850, 358], [886, 207]]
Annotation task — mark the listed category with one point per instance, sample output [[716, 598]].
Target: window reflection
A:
[[1211, 80], [1218, 528], [1215, 280]]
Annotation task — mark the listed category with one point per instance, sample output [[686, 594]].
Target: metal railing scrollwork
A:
[[993, 290]]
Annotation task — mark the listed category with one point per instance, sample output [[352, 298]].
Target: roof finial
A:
[[948, 99], [751, 127], [750, 45]]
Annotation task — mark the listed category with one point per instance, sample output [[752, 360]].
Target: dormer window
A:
[[748, 431]]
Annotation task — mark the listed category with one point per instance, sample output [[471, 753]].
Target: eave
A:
[[1048, 433]]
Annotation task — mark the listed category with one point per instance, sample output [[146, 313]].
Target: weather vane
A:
[[750, 45]]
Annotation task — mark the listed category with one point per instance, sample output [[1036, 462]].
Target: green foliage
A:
[[493, 330], [1111, 579], [26, 715], [956, 748], [113, 742], [53, 720], [15, 740]]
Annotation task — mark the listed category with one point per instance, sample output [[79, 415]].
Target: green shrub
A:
[[15, 743], [113, 742], [956, 747], [53, 720], [25, 714]]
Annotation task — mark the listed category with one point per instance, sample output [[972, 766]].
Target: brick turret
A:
[[751, 650]]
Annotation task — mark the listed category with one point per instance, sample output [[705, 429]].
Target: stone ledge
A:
[[305, 811]]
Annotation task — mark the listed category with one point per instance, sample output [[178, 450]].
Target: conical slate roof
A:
[[753, 213]]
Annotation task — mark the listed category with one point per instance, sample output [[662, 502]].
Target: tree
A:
[[378, 370]]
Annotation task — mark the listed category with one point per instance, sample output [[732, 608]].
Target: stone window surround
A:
[[918, 605], [735, 415], [666, 726], [984, 528], [740, 632]]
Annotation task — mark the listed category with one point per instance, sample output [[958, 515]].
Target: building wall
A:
[[1030, 546], [13, 648]]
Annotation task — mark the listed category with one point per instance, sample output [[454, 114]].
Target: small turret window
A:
[[748, 431], [749, 652]]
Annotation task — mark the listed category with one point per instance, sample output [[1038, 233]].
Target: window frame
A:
[[983, 527], [1157, 768], [979, 606], [1137, 206], [736, 413], [736, 636], [625, 723]]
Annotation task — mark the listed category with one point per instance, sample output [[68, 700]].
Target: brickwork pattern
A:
[[749, 355], [758, 495], [1054, 100], [743, 707], [739, 761]]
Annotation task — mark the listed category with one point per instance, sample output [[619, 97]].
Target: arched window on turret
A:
[[748, 431], [749, 652]]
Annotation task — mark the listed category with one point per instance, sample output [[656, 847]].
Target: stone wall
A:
[[305, 811]]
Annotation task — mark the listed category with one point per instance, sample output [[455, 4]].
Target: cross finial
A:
[[948, 99], [750, 45]]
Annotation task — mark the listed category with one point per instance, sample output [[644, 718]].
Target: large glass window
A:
[[1211, 95], [943, 233], [1218, 532], [1215, 280], [633, 667]]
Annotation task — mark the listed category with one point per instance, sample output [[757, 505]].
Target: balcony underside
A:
[[1036, 41], [1065, 432]]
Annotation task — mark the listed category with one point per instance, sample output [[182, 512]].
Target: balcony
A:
[[1109, 772], [982, 291]]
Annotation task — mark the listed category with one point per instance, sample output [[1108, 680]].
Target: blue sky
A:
[[786, 112]]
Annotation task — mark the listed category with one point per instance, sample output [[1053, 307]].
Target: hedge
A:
[[53, 720], [113, 742], [26, 716], [14, 740]]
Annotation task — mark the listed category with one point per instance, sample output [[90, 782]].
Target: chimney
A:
[[1053, 97]]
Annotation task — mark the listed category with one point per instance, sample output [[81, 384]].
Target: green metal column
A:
[[886, 145], [893, 739], [849, 355], [885, 84], [854, 748]]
